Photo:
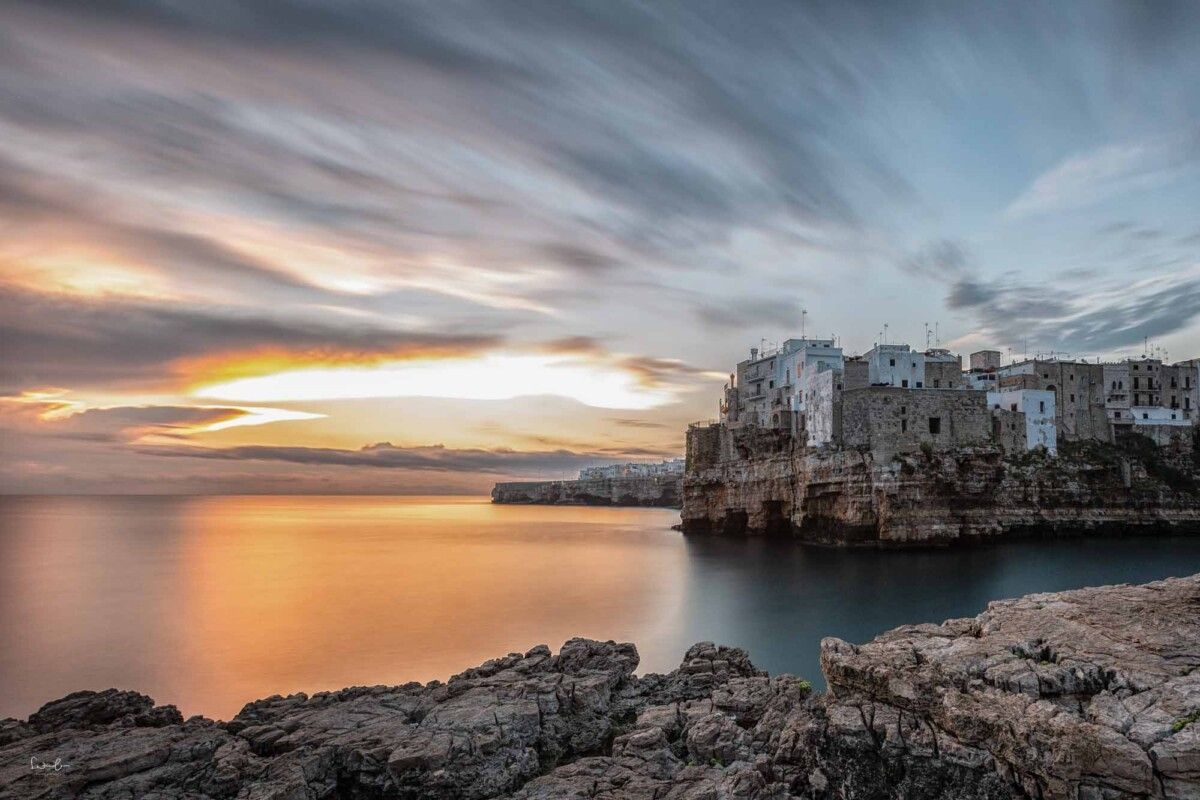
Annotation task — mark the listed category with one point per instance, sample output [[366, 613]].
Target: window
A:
[[771, 384], [903, 409], [1120, 384], [935, 424], [891, 362], [1072, 376], [904, 383], [1116, 415], [1041, 406], [1172, 416], [950, 384], [919, 384], [1072, 398], [1045, 376], [904, 426], [1145, 415], [1135, 384], [937, 384], [1013, 407], [1174, 383], [1135, 367]]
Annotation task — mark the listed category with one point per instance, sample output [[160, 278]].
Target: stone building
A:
[[983, 372], [1117, 402], [943, 370], [856, 373], [889, 420], [1189, 375], [1079, 394], [985, 361]]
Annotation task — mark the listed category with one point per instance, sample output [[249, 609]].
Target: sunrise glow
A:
[[490, 377]]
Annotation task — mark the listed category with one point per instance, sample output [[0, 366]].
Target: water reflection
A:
[[210, 602]]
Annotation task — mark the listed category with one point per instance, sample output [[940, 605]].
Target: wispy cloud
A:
[[1109, 171]]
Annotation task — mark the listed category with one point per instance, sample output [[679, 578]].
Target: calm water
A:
[[210, 602]]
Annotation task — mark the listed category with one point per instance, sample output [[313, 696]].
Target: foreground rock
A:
[[1088, 695]]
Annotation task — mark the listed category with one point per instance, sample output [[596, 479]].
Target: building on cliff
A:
[[900, 447]]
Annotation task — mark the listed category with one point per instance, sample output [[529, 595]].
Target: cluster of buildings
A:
[[895, 398], [663, 469]]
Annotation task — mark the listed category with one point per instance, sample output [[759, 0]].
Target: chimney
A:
[[753, 353]]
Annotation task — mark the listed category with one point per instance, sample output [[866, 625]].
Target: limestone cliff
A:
[[738, 483], [1085, 695], [632, 491]]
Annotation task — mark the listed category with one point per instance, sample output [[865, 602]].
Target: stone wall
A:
[[944, 374], [887, 420], [660, 491], [1009, 429]]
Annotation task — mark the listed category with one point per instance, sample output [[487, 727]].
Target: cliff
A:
[[747, 481], [1082, 695], [647, 491]]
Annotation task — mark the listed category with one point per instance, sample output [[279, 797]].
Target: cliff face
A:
[[1086, 695], [851, 497], [662, 492]]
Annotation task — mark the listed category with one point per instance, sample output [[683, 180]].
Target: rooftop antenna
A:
[[937, 336], [926, 335], [803, 316], [885, 332]]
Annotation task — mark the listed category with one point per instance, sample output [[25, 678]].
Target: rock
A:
[[1086, 695], [753, 480]]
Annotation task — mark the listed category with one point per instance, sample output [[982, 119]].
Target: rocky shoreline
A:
[[1084, 695]]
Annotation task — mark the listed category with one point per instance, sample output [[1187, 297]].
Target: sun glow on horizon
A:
[[489, 377]]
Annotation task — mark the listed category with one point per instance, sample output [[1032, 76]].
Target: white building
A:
[[988, 381], [633, 470], [822, 407], [1158, 415], [896, 365], [802, 360], [1038, 407]]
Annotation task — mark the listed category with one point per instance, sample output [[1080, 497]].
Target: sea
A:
[[211, 602]]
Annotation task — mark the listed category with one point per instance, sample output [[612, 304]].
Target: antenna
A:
[[937, 336], [803, 317], [885, 332], [926, 335]]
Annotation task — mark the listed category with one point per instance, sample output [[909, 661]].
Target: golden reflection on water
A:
[[214, 601]]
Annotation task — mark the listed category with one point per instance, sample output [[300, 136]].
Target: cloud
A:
[[749, 313], [71, 341], [1087, 321], [627, 422], [1109, 171], [385, 455], [54, 413], [939, 260]]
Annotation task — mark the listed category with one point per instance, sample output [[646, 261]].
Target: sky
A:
[[384, 247]]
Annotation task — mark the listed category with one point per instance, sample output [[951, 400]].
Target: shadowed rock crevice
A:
[[1085, 695]]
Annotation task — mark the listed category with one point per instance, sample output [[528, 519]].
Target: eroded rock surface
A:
[[1087, 695]]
